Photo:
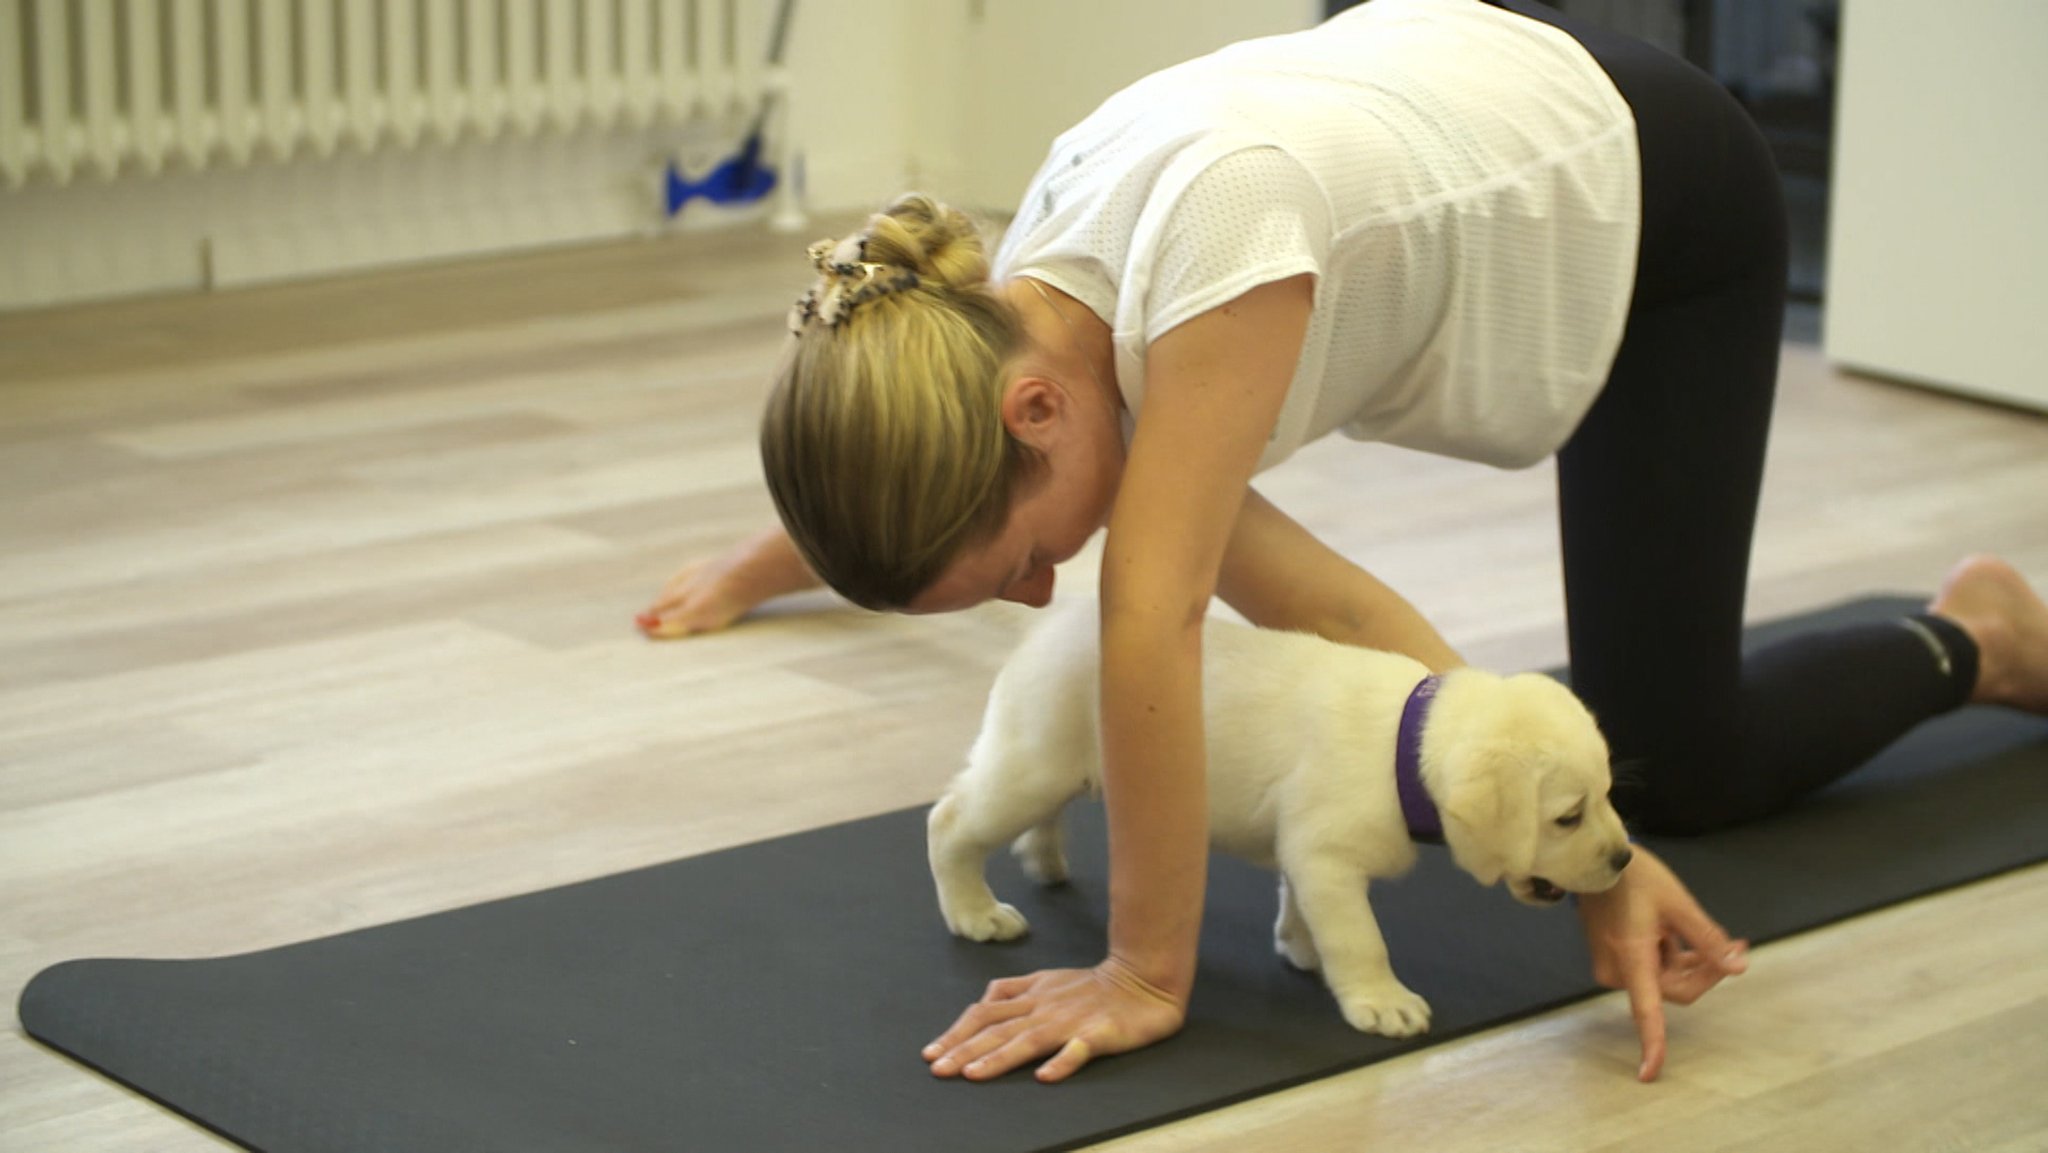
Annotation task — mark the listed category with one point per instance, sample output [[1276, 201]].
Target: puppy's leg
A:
[[1291, 938], [1042, 852], [976, 815], [1332, 901]]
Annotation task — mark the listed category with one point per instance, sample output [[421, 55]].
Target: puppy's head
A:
[[1520, 772]]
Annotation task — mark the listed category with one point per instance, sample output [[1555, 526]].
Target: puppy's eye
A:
[[1571, 820]]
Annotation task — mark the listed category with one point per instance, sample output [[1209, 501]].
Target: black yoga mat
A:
[[774, 996]]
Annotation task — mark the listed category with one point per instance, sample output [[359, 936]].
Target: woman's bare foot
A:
[[1992, 602], [707, 595]]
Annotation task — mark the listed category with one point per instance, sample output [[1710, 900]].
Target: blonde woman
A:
[[1469, 228]]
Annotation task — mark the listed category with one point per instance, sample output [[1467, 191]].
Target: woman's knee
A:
[[1685, 797]]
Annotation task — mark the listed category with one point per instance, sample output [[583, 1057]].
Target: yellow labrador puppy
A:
[[1325, 762]]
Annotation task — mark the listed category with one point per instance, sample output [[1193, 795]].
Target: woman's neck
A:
[[1073, 341]]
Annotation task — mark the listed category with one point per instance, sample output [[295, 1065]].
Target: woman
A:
[[1470, 228]]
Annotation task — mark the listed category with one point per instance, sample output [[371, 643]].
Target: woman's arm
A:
[[1280, 576], [1214, 389]]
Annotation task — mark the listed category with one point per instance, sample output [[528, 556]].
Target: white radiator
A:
[[108, 85]]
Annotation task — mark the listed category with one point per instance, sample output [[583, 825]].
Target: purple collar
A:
[[1424, 823]]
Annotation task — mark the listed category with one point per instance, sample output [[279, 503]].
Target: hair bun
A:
[[937, 242]]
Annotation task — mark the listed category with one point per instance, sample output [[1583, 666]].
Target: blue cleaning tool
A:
[[741, 178]]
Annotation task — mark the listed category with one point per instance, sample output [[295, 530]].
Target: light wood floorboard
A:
[[315, 613]]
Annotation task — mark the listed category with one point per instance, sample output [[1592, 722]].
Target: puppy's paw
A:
[[1041, 856], [1389, 1010], [1298, 948], [995, 922]]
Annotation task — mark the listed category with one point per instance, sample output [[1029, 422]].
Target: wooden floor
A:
[[316, 612]]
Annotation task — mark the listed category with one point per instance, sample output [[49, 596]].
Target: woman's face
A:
[[1050, 520], [1048, 523]]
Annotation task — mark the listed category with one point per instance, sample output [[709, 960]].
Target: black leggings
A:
[[1658, 494]]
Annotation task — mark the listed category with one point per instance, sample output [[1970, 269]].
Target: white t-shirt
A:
[[1462, 182]]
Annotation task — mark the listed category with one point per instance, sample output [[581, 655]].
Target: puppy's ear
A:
[[1489, 812]]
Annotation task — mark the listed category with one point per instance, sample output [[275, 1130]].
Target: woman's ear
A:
[[1033, 408]]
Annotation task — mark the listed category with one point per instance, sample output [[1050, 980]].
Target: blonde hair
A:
[[883, 440]]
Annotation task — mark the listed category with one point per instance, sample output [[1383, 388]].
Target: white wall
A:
[[956, 97], [1042, 65], [962, 98], [1937, 245]]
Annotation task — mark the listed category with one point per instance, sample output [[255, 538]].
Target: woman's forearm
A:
[[1155, 788], [1280, 576], [771, 566], [1363, 610]]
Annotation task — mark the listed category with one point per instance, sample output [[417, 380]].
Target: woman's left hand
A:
[[1649, 936], [1074, 1014]]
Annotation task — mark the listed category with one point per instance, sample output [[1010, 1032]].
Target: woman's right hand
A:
[[1649, 936], [707, 595]]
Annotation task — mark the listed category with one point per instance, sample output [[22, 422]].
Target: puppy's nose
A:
[[1619, 859]]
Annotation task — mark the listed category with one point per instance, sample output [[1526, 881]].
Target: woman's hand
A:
[[1650, 937], [1074, 1014], [707, 595]]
